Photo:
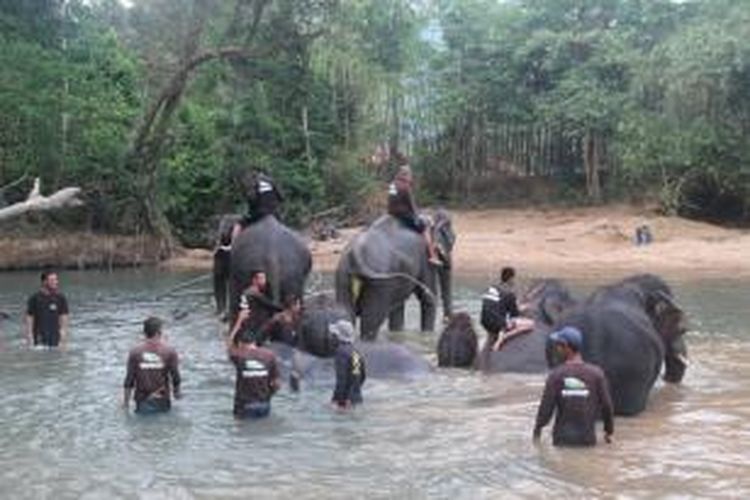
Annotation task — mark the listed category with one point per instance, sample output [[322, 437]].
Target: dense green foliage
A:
[[157, 109]]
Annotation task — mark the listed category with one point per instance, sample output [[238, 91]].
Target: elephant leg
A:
[[427, 309], [396, 319], [374, 306]]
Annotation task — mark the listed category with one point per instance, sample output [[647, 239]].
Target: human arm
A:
[[343, 381], [275, 377], [129, 383], [607, 408], [174, 374], [242, 316], [29, 333], [546, 406]]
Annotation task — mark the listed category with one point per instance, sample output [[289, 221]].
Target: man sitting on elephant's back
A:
[[263, 198], [402, 206]]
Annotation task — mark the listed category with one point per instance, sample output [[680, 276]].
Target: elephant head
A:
[[444, 238], [458, 343], [668, 319]]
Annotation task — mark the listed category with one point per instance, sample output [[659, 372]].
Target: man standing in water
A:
[[350, 368], [257, 375], [152, 372], [47, 314], [578, 392]]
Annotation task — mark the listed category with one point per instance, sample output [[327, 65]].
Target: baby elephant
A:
[[457, 347]]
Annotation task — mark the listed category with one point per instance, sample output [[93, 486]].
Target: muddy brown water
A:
[[452, 434]]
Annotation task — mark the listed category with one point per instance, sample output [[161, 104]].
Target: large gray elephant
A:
[[387, 263], [546, 301], [268, 245], [630, 329], [311, 353]]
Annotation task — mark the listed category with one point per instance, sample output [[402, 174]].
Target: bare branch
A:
[[66, 197]]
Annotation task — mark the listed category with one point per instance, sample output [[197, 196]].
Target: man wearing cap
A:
[[577, 392], [402, 206], [257, 375], [350, 367], [152, 372]]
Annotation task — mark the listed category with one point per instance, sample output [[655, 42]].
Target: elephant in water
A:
[[311, 356], [458, 344], [546, 301], [387, 263], [630, 329], [268, 245]]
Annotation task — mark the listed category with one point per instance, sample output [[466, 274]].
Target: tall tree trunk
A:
[[591, 166]]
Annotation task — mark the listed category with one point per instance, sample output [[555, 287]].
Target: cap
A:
[[343, 330], [568, 335]]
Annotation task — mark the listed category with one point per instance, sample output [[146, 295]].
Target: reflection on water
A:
[[452, 434]]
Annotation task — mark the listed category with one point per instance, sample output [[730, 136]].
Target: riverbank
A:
[[574, 242]]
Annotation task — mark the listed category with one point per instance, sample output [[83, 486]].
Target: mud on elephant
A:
[[387, 263], [630, 329]]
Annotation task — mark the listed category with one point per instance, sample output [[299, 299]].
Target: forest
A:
[[156, 109]]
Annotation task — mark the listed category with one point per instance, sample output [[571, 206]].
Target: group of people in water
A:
[[576, 392]]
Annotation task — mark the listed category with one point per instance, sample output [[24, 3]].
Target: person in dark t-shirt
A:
[[47, 314], [152, 372], [501, 313], [577, 392], [256, 309], [257, 375], [350, 368]]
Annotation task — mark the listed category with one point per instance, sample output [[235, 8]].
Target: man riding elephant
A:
[[262, 243]]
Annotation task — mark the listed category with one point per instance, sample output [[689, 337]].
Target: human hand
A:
[[608, 438]]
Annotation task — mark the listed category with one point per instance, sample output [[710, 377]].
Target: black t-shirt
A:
[[350, 375], [46, 309], [499, 303], [579, 395]]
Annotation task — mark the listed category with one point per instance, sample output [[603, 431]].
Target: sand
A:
[[578, 242]]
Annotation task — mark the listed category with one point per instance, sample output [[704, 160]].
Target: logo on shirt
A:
[[254, 368], [356, 364], [53, 307], [574, 388], [264, 187], [392, 189], [151, 361]]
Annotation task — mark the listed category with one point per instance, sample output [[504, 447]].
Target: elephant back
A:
[[314, 333], [388, 246], [270, 246]]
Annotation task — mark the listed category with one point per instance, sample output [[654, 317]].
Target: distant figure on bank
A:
[[578, 393], [152, 372], [257, 375], [501, 315], [402, 206], [47, 314], [350, 368], [256, 309]]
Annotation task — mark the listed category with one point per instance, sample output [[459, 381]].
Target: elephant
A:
[[222, 260], [629, 329], [458, 344], [387, 263], [311, 354], [268, 245]]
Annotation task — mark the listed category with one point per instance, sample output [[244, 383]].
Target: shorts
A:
[[259, 409], [152, 406]]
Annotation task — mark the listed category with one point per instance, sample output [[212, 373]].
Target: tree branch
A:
[[66, 197]]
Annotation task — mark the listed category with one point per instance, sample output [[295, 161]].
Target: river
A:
[[452, 434]]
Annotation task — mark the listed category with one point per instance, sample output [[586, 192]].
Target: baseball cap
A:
[[343, 330], [568, 335]]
